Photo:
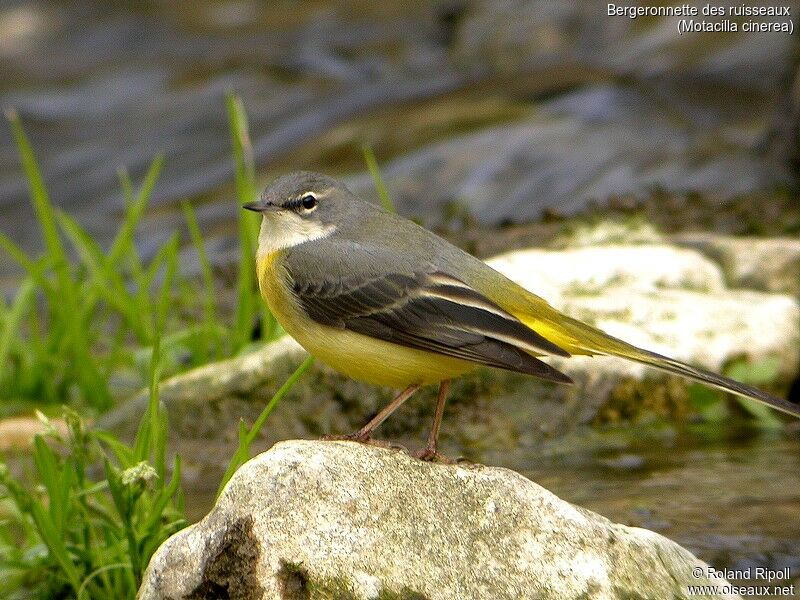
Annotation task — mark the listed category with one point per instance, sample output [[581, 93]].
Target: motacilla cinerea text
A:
[[385, 301]]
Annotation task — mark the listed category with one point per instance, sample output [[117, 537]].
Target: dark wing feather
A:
[[433, 312]]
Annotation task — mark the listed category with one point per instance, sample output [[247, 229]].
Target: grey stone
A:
[[767, 264], [344, 520], [235, 377], [667, 299], [594, 270]]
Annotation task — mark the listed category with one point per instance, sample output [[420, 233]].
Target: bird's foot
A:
[[430, 454]]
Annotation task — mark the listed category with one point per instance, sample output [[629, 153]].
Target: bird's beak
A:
[[261, 206]]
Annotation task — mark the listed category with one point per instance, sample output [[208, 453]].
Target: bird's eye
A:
[[309, 201]]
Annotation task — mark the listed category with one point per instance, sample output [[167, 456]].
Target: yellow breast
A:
[[357, 356]]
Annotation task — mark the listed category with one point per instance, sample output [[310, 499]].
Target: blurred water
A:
[[731, 496], [591, 106]]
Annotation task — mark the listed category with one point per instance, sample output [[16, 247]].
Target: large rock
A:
[[343, 520], [594, 270], [670, 300], [768, 264]]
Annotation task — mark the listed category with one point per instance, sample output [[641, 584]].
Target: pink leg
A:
[[362, 435], [429, 451]]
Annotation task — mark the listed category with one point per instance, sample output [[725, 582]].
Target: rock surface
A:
[[593, 270], [670, 300], [768, 264], [343, 520]]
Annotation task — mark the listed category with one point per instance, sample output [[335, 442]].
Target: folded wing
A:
[[429, 311]]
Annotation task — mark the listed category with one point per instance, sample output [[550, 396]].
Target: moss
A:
[[633, 400], [592, 228], [295, 583], [584, 290]]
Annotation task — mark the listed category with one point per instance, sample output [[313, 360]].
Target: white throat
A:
[[284, 229]]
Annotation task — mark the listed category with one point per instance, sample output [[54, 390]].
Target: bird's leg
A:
[[429, 451], [362, 435]]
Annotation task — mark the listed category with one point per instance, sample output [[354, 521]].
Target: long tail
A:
[[677, 367], [579, 338]]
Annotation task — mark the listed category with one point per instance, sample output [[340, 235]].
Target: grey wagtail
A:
[[383, 300]]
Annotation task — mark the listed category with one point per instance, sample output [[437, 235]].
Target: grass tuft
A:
[[80, 314], [77, 538], [250, 309], [75, 322]]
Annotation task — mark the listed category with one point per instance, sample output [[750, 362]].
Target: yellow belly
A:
[[357, 356]]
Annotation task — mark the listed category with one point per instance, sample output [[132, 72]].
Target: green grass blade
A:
[[123, 503], [150, 441], [124, 455], [41, 202], [165, 293], [34, 268], [155, 265], [51, 524], [209, 303], [48, 471], [107, 282], [12, 319], [246, 437], [244, 178], [158, 416], [88, 249], [82, 591], [135, 262], [114, 486], [153, 520], [126, 185], [282, 391], [380, 186], [55, 544], [66, 310], [135, 208], [244, 161]]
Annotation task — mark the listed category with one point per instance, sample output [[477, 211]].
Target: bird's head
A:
[[301, 207]]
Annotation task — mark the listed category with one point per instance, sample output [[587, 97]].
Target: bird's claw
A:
[[430, 454]]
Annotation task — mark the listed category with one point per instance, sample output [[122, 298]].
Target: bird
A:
[[383, 300]]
